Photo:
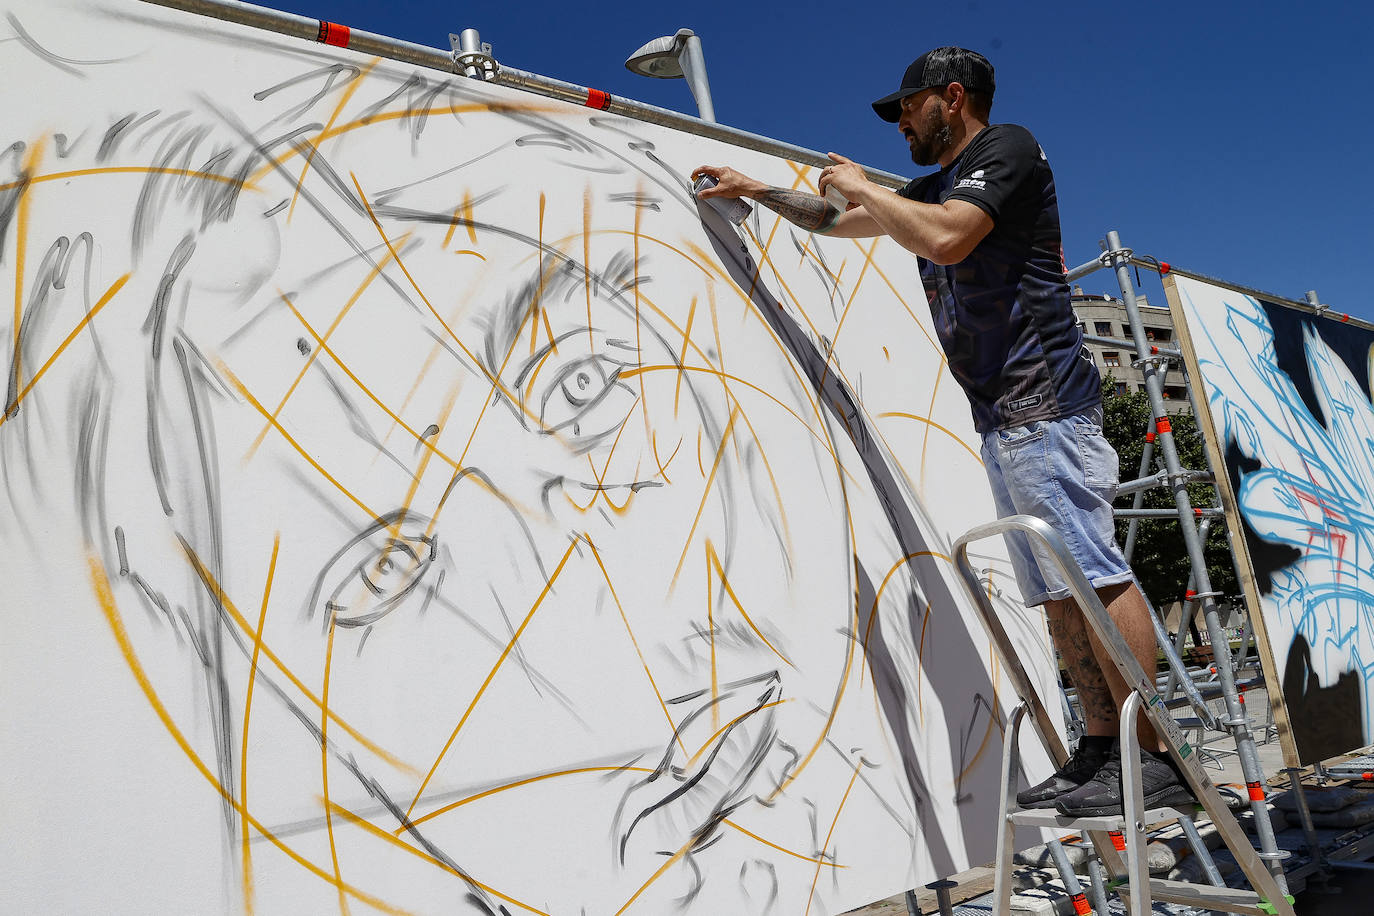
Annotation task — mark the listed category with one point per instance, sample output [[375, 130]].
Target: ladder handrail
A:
[[1264, 883]]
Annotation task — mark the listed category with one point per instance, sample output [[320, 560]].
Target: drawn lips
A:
[[707, 770]]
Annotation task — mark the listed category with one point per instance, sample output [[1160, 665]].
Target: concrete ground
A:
[[1216, 751]]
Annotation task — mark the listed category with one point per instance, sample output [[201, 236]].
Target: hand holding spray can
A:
[[734, 209]]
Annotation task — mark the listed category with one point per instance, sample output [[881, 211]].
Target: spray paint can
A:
[[734, 209]]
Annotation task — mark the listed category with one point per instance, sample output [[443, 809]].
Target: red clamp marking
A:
[[1367, 776], [1164, 268], [331, 33], [1150, 437], [1118, 841], [1189, 595], [1162, 425], [597, 99], [1197, 513], [1080, 905], [1345, 318], [1256, 791]]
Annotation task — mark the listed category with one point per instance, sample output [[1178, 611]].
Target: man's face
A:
[[925, 124]]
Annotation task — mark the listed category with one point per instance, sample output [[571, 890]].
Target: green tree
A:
[[1160, 559]]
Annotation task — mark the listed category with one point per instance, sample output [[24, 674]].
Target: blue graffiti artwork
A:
[[1289, 398]]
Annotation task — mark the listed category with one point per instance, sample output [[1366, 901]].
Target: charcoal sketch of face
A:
[[470, 491]]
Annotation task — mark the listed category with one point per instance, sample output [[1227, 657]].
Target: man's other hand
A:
[[845, 176], [729, 183]]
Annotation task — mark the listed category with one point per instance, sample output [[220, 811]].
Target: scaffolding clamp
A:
[[1109, 258], [472, 56]]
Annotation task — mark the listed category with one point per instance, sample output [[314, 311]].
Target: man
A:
[[986, 228]]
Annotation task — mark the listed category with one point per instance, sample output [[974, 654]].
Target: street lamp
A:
[[677, 56]]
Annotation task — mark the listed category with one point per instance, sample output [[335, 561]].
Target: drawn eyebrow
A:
[[559, 284]]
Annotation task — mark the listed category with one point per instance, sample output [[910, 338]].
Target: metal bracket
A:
[[1108, 258], [473, 59]]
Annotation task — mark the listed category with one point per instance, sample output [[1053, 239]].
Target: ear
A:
[[955, 96]]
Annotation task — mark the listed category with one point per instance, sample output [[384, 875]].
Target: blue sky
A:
[[1230, 139]]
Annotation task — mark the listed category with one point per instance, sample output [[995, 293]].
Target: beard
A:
[[935, 136]]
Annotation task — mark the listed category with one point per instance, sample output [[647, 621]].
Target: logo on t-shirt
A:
[[1024, 403], [975, 180]]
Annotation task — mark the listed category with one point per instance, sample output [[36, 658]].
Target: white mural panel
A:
[[414, 502], [1288, 395]]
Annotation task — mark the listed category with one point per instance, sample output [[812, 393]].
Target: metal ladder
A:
[[1268, 896]]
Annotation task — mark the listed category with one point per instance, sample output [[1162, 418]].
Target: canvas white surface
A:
[[413, 502]]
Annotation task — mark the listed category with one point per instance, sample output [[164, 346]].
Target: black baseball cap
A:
[[939, 68]]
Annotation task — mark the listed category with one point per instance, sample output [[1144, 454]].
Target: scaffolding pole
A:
[[1120, 259]]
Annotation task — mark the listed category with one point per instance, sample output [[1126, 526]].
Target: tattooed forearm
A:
[[808, 211]]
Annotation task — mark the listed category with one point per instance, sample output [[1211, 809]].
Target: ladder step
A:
[[1049, 817], [1226, 899]]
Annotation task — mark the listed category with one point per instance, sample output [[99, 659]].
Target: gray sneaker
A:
[[1101, 795], [1077, 770]]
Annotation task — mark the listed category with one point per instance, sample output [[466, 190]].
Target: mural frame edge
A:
[[1240, 551]]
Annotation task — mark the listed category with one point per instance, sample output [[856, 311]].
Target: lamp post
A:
[[677, 56]]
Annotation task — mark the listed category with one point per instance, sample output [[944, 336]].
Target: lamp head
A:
[[659, 58]]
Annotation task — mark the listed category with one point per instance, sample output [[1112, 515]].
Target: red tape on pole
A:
[[1080, 905], [597, 99], [331, 33], [1118, 841], [1162, 425], [1256, 791]]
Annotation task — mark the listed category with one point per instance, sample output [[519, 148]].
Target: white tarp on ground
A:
[[413, 502]]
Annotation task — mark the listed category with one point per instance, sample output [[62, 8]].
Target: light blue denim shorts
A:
[[1063, 472]]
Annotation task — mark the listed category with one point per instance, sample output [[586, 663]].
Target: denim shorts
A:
[[1063, 472]]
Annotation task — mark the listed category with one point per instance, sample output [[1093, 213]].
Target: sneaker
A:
[[1101, 795], [1077, 770]]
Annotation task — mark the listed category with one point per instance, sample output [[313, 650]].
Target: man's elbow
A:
[[951, 248]]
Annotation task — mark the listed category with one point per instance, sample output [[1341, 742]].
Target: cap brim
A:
[[889, 107]]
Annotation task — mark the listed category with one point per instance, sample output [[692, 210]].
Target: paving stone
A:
[[1045, 900]]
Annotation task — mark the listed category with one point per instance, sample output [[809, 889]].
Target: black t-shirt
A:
[[1003, 313]]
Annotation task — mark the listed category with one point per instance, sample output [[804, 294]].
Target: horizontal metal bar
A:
[[1128, 345], [436, 59], [1159, 480], [1163, 513], [1082, 270], [1300, 304], [1211, 692]]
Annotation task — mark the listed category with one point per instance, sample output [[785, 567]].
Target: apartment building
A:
[[1108, 334]]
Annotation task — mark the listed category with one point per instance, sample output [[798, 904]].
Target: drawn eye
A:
[[391, 570], [586, 397], [373, 574]]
